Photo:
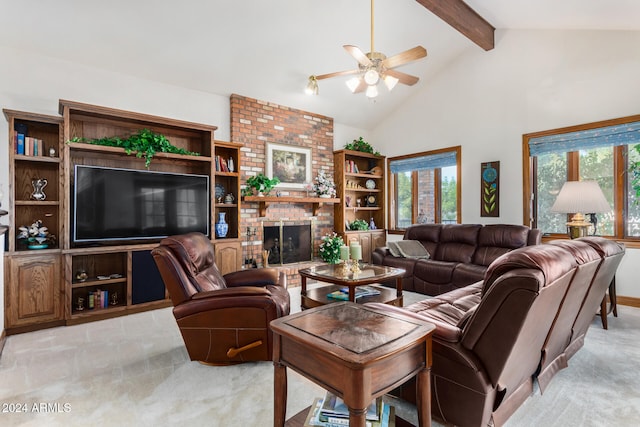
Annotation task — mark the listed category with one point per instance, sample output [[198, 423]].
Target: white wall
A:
[[531, 81]]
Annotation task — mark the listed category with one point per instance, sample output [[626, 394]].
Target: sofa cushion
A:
[[552, 261], [411, 249], [497, 239], [433, 271], [427, 234], [466, 274], [393, 248], [457, 242]]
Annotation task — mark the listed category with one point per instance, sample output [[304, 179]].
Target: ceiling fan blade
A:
[[417, 52], [338, 73], [361, 87], [358, 54], [403, 77]]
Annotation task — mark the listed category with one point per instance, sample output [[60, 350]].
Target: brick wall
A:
[[255, 123]]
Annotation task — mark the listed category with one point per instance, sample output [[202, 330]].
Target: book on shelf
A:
[[334, 407], [384, 412], [361, 291], [19, 143], [221, 164], [28, 145]]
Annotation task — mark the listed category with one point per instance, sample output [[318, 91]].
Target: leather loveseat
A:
[[494, 339], [459, 254]]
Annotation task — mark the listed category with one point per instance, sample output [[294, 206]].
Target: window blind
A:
[[608, 136], [432, 161]]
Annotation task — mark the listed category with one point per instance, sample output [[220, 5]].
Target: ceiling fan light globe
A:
[[390, 82], [372, 91], [312, 86], [371, 77], [353, 84]]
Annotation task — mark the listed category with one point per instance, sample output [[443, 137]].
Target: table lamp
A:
[[578, 197]]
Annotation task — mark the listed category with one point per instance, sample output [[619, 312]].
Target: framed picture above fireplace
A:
[[290, 163]]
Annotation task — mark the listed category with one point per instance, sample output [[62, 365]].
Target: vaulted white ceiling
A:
[[267, 49]]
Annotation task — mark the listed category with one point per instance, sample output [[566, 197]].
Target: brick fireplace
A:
[[255, 123]]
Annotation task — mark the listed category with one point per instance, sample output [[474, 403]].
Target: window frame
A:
[[392, 187], [529, 168]]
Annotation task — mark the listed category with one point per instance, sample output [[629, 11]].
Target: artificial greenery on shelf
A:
[[358, 225], [260, 183], [362, 146], [145, 144]]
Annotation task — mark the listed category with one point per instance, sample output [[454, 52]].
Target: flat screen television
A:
[[111, 204]]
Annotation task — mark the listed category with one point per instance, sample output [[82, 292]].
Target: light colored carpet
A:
[[134, 371]]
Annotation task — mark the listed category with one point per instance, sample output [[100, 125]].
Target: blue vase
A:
[[222, 228]]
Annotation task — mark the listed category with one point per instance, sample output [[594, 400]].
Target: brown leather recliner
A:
[[223, 319]]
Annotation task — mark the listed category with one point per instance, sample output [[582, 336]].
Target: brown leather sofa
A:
[[495, 338], [223, 319], [459, 254]]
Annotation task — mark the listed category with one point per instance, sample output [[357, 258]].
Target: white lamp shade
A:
[[390, 82], [372, 91], [581, 197]]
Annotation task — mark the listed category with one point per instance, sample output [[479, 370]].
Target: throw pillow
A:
[[412, 249], [393, 248]]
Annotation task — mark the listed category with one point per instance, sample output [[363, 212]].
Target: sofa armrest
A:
[[378, 254], [443, 331], [252, 277], [238, 291]]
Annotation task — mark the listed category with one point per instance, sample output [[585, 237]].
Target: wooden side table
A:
[[354, 351]]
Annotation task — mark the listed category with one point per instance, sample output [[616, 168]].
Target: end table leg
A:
[[279, 394], [357, 417], [423, 397]]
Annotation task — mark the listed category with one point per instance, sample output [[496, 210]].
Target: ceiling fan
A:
[[373, 67]]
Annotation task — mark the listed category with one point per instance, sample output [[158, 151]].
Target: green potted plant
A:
[[358, 225], [260, 184], [330, 248], [362, 146]]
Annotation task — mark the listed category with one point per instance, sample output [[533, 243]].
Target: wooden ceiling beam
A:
[[464, 19]]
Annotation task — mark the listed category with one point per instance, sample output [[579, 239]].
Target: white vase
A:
[[325, 196]]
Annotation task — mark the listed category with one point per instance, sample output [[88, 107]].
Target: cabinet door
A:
[[378, 239], [228, 256], [33, 290], [365, 242]]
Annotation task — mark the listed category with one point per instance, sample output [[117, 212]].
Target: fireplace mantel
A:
[[265, 201]]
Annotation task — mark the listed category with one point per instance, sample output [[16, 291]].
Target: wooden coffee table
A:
[[354, 351], [338, 278]]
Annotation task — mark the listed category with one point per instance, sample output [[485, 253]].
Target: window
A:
[[424, 188], [602, 152]]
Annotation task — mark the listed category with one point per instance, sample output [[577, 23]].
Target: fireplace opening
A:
[[287, 242]]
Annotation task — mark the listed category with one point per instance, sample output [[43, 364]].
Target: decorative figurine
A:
[[38, 186], [81, 275]]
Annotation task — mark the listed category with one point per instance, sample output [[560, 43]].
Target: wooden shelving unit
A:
[[228, 249], [33, 278], [52, 286], [360, 184]]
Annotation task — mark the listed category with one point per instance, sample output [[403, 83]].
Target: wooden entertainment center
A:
[[52, 286]]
